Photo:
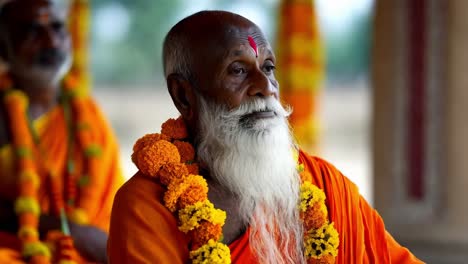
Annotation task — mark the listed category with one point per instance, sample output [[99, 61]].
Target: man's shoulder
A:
[[141, 199], [141, 188], [324, 172]]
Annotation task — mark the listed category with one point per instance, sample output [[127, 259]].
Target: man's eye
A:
[[269, 68], [238, 70]]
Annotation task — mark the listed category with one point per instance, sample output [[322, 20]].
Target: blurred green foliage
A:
[[136, 58]]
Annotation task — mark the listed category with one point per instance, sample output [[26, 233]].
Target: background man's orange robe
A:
[[143, 231], [52, 132]]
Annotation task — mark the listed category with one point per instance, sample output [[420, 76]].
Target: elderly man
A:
[[260, 199], [58, 156]]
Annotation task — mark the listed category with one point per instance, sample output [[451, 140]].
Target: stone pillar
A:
[[420, 128]]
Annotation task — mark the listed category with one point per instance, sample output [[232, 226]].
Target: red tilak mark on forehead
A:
[[253, 45]]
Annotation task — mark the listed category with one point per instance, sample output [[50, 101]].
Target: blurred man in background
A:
[[58, 156]]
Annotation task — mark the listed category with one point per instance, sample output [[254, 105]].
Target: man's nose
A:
[[261, 85]]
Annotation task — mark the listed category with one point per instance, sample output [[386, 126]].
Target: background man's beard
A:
[[253, 159]]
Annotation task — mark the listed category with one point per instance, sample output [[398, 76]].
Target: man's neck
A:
[[42, 96], [225, 200]]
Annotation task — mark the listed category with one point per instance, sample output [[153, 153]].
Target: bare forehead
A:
[[227, 38], [21, 11]]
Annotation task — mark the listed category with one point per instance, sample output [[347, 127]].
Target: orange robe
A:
[[52, 133], [143, 231]]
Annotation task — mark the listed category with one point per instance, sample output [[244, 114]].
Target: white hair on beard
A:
[[253, 159]]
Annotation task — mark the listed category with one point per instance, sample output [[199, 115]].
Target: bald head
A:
[[204, 35]]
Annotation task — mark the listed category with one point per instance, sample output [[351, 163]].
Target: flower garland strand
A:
[[27, 206], [321, 240], [170, 160]]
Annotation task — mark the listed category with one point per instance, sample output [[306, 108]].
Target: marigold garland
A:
[[187, 196]]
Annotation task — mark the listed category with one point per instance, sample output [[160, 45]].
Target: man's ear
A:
[[183, 95]]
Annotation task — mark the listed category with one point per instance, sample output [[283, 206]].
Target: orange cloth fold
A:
[[52, 133], [142, 230]]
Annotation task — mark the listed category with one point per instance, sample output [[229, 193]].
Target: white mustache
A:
[[258, 105]]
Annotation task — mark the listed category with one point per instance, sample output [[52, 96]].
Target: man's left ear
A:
[[183, 95]]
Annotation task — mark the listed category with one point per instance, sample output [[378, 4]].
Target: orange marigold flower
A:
[[172, 171], [196, 193], [175, 128], [186, 151], [39, 259], [175, 189], [205, 232], [146, 140], [328, 259], [193, 168], [151, 158], [305, 176], [71, 82], [314, 216]]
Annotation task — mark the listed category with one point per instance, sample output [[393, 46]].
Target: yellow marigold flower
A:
[[17, 98], [212, 252], [27, 204], [191, 216], [176, 188], [172, 171], [30, 176], [151, 158], [315, 216], [146, 140], [205, 232], [310, 194], [193, 168], [321, 242], [27, 232], [79, 216], [175, 128], [186, 151], [35, 248]]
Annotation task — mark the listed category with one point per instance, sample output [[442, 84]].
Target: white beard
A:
[[253, 158]]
